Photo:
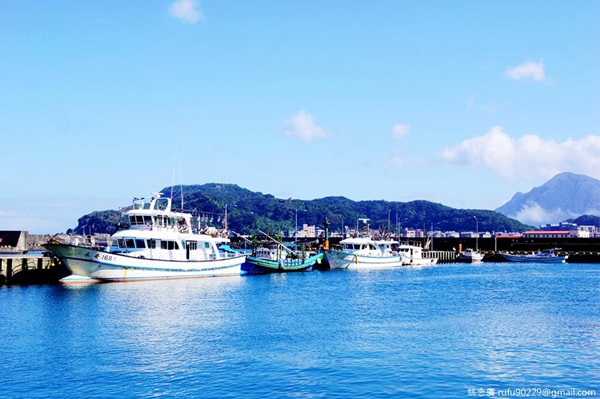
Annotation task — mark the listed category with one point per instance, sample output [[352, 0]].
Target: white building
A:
[[307, 232]]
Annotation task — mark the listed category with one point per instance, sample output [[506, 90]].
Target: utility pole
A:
[[476, 233]]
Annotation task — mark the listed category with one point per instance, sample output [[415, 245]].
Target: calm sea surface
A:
[[409, 332]]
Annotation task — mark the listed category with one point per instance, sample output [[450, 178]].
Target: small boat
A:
[[159, 244], [276, 257], [268, 261], [470, 255], [412, 255], [544, 256], [364, 253]]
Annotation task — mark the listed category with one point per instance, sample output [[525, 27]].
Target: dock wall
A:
[[30, 269]]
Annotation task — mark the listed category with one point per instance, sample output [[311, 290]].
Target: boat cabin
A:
[[410, 251], [368, 247], [156, 215]]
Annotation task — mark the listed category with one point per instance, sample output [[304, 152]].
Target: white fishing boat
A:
[[544, 256], [470, 255], [412, 255], [363, 253], [159, 244]]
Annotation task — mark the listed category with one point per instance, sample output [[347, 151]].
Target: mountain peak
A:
[[566, 195]]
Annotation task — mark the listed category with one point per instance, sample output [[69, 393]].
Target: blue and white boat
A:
[[544, 256], [159, 244]]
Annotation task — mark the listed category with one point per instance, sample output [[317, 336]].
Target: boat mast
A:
[[181, 183]]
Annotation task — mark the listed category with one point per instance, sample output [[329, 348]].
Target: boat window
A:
[[147, 205], [139, 219], [139, 243], [371, 246], [206, 245], [169, 245], [161, 204], [171, 222], [130, 243], [152, 244], [121, 243], [192, 245], [132, 220], [356, 246], [148, 219]]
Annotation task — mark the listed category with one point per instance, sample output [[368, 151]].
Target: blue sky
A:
[[462, 103]]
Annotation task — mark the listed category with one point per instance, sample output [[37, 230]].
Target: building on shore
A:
[[550, 234], [13, 241]]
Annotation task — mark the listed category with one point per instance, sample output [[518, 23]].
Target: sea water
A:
[[431, 332]]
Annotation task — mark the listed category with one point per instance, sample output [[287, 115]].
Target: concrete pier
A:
[[30, 269], [442, 256]]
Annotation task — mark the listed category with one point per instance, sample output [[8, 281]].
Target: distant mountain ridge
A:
[[250, 211], [586, 220], [565, 196]]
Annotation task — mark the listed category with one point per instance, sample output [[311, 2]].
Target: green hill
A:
[[250, 211], [586, 220]]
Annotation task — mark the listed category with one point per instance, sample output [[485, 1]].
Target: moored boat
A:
[[412, 255], [260, 264], [544, 256], [470, 255], [363, 253], [160, 244]]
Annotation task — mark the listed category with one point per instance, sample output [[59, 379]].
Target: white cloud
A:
[[302, 126], [528, 71], [533, 214], [400, 131], [527, 157], [186, 11]]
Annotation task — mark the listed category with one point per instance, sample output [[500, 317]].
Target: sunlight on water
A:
[[423, 332]]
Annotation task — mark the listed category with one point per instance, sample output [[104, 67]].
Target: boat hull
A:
[[470, 258], [534, 259], [105, 266], [347, 260]]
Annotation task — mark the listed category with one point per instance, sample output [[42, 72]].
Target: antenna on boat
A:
[[174, 163], [181, 182]]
